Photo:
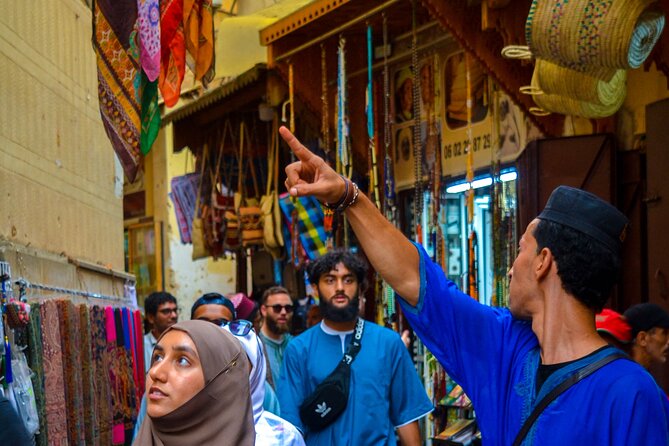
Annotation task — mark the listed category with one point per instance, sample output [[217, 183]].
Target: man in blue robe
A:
[[508, 359], [385, 393]]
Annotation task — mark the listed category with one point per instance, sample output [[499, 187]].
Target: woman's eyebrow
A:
[[185, 348]]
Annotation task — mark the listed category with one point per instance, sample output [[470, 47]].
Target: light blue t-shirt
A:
[[495, 357], [385, 390]]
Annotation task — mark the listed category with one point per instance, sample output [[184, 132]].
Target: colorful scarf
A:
[[150, 116], [35, 362], [101, 366], [71, 346], [87, 367], [199, 36], [54, 386], [309, 223], [115, 378], [114, 41], [148, 12], [172, 49], [139, 355]]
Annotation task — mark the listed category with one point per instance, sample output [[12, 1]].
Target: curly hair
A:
[[588, 269], [329, 261]]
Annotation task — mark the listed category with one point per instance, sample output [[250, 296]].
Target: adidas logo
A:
[[323, 409]]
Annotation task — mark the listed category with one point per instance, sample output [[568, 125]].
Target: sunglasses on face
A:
[[240, 327], [278, 307]]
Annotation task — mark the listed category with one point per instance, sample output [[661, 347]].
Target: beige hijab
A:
[[220, 414]]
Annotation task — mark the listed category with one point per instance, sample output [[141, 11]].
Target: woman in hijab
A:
[[197, 389]]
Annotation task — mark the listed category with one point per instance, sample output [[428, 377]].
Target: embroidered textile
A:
[[54, 386], [114, 41], [184, 196], [149, 37], [35, 362], [90, 407], [101, 381], [71, 346]]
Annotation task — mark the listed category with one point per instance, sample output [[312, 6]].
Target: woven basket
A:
[[588, 34], [556, 103], [555, 79]]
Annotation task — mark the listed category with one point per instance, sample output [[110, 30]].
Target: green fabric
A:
[[150, 115], [35, 363]]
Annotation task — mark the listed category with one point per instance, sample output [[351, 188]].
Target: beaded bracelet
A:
[[335, 206], [348, 199]]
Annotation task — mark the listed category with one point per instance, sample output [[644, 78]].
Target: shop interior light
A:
[[480, 182], [508, 176]]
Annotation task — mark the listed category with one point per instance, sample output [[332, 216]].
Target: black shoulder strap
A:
[[355, 344], [557, 391]]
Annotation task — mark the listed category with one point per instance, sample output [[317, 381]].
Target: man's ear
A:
[[151, 318], [544, 262], [641, 339]]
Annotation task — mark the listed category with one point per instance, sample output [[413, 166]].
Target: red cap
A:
[[243, 305], [608, 321]]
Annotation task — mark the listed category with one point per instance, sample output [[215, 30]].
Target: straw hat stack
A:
[[583, 49]]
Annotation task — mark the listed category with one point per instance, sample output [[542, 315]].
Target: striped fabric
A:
[[119, 77], [184, 195], [310, 223]]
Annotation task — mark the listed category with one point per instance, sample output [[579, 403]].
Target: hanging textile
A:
[[71, 346], [86, 354], [184, 196], [53, 375], [101, 361], [139, 354], [119, 78], [309, 223], [172, 51], [199, 37], [150, 115], [35, 362], [115, 379], [148, 12]]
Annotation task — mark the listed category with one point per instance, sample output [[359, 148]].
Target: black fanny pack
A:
[[329, 398]]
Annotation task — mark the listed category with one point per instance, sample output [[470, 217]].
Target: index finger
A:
[[301, 152]]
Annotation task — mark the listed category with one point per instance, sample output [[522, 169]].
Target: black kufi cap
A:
[[588, 214], [643, 317]]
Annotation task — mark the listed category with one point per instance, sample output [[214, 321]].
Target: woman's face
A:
[[175, 375]]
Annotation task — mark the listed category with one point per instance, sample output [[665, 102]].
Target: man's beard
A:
[[339, 314], [276, 328]]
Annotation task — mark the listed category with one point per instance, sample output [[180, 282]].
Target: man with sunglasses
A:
[[161, 313], [276, 310]]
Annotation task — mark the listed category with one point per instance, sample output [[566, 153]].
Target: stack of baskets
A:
[[583, 49]]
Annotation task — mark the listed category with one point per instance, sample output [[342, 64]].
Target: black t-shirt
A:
[[544, 371]]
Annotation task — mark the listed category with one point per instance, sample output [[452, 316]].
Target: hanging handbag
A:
[[248, 210], [197, 232], [269, 203], [330, 398], [222, 198]]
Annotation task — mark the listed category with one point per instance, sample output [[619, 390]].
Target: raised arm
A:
[[388, 250]]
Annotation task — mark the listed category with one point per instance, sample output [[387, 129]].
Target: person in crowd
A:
[[650, 334], [276, 308], [386, 395], [12, 430], [508, 359], [271, 430], [613, 328], [161, 312], [314, 315], [213, 307], [197, 389]]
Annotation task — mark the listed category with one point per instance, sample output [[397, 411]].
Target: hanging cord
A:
[[343, 147], [373, 171], [389, 189], [417, 140], [517, 52]]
